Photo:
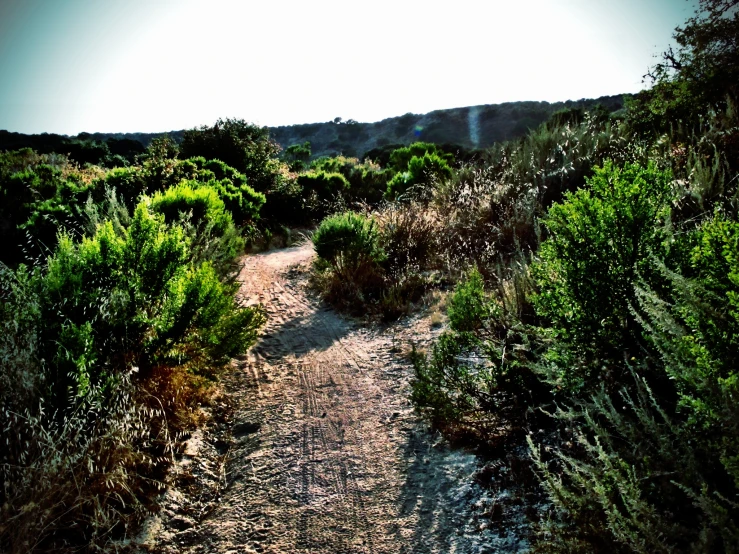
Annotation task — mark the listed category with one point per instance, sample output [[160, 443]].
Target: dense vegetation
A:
[[597, 302], [593, 275], [118, 313], [449, 128], [119, 305]]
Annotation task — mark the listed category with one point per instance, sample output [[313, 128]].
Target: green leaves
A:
[[144, 299], [347, 241], [202, 202], [600, 238], [421, 170], [469, 308]]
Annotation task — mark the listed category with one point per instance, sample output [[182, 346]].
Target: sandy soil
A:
[[319, 449]]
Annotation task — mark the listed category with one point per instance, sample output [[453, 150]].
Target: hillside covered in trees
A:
[[470, 128], [587, 257]]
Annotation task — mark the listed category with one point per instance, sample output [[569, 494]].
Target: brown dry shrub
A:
[[409, 235]]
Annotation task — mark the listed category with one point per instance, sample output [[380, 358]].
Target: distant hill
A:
[[472, 127]]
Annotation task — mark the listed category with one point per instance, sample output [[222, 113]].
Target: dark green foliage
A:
[[697, 336], [245, 147], [286, 203], [349, 260], [381, 154], [201, 203], [82, 149], [447, 386], [325, 186], [600, 239], [130, 183], [39, 195], [139, 295], [700, 76], [367, 181], [239, 198], [478, 368], [400, 158], [421, 172], [298, 156], [349, 242], [110, 338], [468, 307]]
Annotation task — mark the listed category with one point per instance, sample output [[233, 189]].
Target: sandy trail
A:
[[323, 452]]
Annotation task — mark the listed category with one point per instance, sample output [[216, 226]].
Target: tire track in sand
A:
[[326, 455]]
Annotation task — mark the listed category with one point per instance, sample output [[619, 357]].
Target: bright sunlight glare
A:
[[139, 65]]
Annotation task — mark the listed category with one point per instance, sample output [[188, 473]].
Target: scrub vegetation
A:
[[592, 267], [594, 272]]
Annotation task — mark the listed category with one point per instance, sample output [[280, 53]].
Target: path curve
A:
[[323, 453]]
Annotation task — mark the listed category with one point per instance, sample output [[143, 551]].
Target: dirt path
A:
[[323, 453]]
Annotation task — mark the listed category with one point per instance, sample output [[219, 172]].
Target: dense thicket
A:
[[118, 311]]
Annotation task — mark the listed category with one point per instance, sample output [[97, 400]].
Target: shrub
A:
[[202, 203], [421, 171], [600, 239], [367, 180], [695, 328], [40, 195], [325, 186], [118, 300], [400, 158], [120, 312], [655, 466], [298, 155], [349, 242], [446, 387], [241, 200], [479, 371], [245, 147], [130, 183], [409, 237], [468, 307], [348, 269], [286, 203]]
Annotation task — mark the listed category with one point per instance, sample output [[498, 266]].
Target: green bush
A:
[[600, 240], [130, 183], [326, 186], [241, 200], [468, 307], [202, 203], [422, 170], [298, 156], [446, 387], [286, 203], [116, 300], [38, 196], [104, 345], [245, 147], [348, 241], [655, 467], [695, 328], [400, 158], [367, 180], [480, 370]]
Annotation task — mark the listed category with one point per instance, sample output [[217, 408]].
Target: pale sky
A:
[[68, 66]]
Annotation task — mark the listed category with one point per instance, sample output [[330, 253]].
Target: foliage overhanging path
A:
[[327, 454]]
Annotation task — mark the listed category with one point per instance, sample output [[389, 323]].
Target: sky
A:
[[68, 66]]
